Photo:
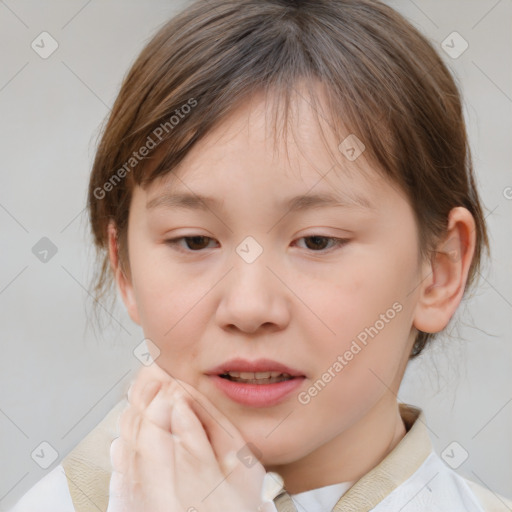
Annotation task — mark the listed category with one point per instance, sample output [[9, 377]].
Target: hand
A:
[[177, 453]]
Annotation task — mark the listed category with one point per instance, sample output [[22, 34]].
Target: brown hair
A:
[[380, 75]]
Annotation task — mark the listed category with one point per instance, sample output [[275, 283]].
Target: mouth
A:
[[259, 370], [256, 377], [259, 383]]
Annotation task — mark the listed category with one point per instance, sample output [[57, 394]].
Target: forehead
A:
[[250, 149]]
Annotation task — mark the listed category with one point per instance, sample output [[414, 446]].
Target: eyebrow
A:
[[298, 203]]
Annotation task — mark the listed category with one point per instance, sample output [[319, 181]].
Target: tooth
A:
[[257, 375], [262, 375]]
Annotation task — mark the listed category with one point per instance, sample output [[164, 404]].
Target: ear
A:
[[446, 273], [123, 282]]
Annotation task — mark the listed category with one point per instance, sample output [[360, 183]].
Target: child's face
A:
[[302, 302]]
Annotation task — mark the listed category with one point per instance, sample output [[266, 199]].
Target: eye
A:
[[197, 243], [318, 242], [193, 243]]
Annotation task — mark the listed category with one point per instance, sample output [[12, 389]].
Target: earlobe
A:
[[446, 273], [123, 283]]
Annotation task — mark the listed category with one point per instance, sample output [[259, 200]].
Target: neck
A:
[[358, 449]]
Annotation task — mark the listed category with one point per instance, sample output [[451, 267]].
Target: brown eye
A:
[[317, 243], [193, 243]]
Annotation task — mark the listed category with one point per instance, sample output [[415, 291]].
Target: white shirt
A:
[[50, 494], [323, 498]]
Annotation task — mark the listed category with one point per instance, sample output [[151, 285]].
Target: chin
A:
[[270, 459], [272, 450]]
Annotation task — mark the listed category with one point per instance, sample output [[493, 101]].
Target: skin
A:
[[300, 302], [159, 471]]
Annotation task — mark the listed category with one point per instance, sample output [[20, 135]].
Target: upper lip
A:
[[258, 365]]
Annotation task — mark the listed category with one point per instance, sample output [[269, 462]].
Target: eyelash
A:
[[173, 242]]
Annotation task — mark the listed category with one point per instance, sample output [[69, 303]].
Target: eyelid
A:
[[337, 242], [174, 242]]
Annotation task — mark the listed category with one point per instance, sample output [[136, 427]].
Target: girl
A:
[[285, 199]]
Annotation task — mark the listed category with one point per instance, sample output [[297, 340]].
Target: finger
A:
[[118, 494], [155, 399], [143, 438], [155, 402], [119, 455], [144, 461], [142, 490], [143, 401], [227, 443], [169, 410], [203, 432], [145, 375], [216, 448], [190, 432], [224, 437], [144, 390], [140, 397], [148, 393], [159, 409], [121, 491], [149, 390]]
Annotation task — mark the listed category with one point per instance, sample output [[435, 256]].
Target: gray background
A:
[[59, 377]]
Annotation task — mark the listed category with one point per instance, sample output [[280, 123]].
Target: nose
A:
[[254, 300]]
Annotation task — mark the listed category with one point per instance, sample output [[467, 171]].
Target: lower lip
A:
[[257, 395]]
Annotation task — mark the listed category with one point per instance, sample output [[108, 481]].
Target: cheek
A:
[[346, 386], [353, 297], [173, 308], [368, 312]]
